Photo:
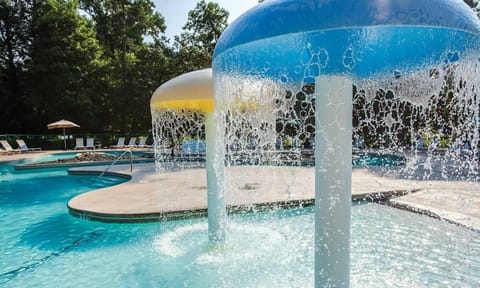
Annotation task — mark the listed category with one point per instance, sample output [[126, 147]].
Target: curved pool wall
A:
[[320, 53]]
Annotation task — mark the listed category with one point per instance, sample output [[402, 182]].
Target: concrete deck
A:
[[18, 156], [458, 205], [151, 196]]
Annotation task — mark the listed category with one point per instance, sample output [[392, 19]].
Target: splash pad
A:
[[292, 81]]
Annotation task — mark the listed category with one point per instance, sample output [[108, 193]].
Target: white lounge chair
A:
[[142, 143], [79, 143], [22, 146], [131, 142], [8, 148], [90, 144], [120, 143]]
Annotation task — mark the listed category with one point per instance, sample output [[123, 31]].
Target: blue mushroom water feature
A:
[[331, 44]]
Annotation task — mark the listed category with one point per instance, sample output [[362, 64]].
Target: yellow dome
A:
[[193, 91]]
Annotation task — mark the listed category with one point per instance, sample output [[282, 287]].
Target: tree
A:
[[122, 28], [204, 26], [15, 20], [64, 58]]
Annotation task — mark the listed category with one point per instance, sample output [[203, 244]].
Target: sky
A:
[[175, 12]]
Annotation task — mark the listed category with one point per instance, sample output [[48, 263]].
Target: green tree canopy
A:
[[64, 56], [195, 45], [98, 62], [127, 30], [15, 19]]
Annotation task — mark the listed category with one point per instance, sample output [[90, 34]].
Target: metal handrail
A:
[[116, 160]]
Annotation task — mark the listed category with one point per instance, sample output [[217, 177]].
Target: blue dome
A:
[[361, 37]]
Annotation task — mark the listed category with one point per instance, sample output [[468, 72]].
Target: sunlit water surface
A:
[[43, 246]]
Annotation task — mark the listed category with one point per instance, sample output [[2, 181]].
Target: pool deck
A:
[[151, 196], [18, 156]]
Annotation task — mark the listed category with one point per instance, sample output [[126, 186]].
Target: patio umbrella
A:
[[62, 124]]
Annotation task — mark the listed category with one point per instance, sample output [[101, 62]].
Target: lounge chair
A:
[[131, 142], [120, 143], [22, 146], [8, 148], [79, 143], [90, 144], [142, 143]]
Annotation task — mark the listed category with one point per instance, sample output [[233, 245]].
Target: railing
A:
[[116, 160]]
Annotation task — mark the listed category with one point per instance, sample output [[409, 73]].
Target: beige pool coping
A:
[[152, 196], [18, 156]]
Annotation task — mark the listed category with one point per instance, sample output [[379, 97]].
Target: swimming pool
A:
[[43, 246]]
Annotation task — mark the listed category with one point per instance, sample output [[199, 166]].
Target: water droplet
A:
[[266, 66], [452, 56], [313, 70], [397, 74], [298, 69], [323, 58], [348, 60], [434, 73], [306, 56]]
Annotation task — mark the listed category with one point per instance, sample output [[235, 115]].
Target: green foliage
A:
[[122, 27], [123, 24], [92, 61], [14, 46], [63, 59], [98, 62], [204, 26]]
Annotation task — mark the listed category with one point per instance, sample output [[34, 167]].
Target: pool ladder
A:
[[116, 160]]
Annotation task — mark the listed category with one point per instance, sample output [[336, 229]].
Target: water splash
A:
[[172, 129]]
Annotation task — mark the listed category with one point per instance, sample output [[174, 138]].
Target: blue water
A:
[[363, 159], [43, 246], [34, 221]]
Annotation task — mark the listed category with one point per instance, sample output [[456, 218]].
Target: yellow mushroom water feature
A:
[[191, 96]]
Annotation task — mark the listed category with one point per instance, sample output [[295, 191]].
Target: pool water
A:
[[43, 246], [363, 159]]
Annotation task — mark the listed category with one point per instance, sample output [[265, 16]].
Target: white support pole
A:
[[333, 174], [215, 179]]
